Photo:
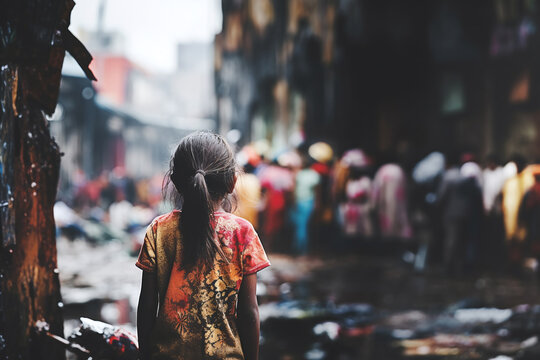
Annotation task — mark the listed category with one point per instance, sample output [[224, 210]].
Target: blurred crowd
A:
[[303, 200], [113, 206], [478, 214], [452, 209]]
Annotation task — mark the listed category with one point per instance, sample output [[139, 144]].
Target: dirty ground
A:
[[361, 305]]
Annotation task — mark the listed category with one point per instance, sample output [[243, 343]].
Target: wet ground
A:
[[359, 305]]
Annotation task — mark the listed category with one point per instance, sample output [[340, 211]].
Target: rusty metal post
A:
[[29, 280], [33, 38]]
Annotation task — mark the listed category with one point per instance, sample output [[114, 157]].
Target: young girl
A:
[[199, 264]]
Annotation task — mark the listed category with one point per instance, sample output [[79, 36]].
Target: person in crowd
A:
[[356, 211], [120, 212], [322, 219], [79, 197], [460, 201], [198, 294], [248, 195], [529, 215], [492, 246], [307, 181], [277, 186], [493, 180], [121, 180], [445, 201], [108, 191], [390, 202], [142, 191], [512, 193], [352, 193], [425, 216], [340, 175]]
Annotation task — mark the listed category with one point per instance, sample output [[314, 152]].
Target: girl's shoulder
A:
[[232, 222], [224, 222], [165, 219]]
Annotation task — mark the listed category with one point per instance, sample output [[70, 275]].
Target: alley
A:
[[361, 305]]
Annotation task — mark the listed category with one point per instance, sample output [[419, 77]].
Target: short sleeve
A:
[[254, 258], [147, 256]]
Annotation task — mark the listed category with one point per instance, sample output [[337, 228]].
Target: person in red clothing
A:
[[199, 264]]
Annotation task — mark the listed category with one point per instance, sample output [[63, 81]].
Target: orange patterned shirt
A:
[[197, 310]]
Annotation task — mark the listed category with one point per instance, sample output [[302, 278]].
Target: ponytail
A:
[[202, 171], [196, 224]]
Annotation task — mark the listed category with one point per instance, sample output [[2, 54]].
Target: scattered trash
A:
[[483, 315], [402, 333], [315, 354], [529, 342], [330, 329], [96, 340], [302, 311], [105, 341]]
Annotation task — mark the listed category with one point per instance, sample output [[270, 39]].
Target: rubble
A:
[[95, 340], [334, 307]]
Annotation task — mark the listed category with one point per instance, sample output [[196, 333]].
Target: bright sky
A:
[[152, 28]]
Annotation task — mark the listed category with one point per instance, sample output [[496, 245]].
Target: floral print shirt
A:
[[197, 310]]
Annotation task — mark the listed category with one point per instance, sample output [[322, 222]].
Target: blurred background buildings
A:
[[132, 116], [394, 77]]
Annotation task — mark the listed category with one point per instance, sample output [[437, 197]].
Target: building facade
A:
[[393, 77]]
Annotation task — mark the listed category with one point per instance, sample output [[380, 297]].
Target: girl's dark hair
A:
[[203, 171]]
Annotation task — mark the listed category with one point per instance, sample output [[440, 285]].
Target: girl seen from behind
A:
[[199, 265]]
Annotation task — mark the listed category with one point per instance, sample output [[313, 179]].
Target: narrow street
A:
[[356, 306]]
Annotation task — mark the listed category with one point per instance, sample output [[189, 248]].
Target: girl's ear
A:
[[233, 184]]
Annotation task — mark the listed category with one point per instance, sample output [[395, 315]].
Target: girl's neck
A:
[[218, 206]]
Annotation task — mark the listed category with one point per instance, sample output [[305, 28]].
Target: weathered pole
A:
[[33, 38]]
